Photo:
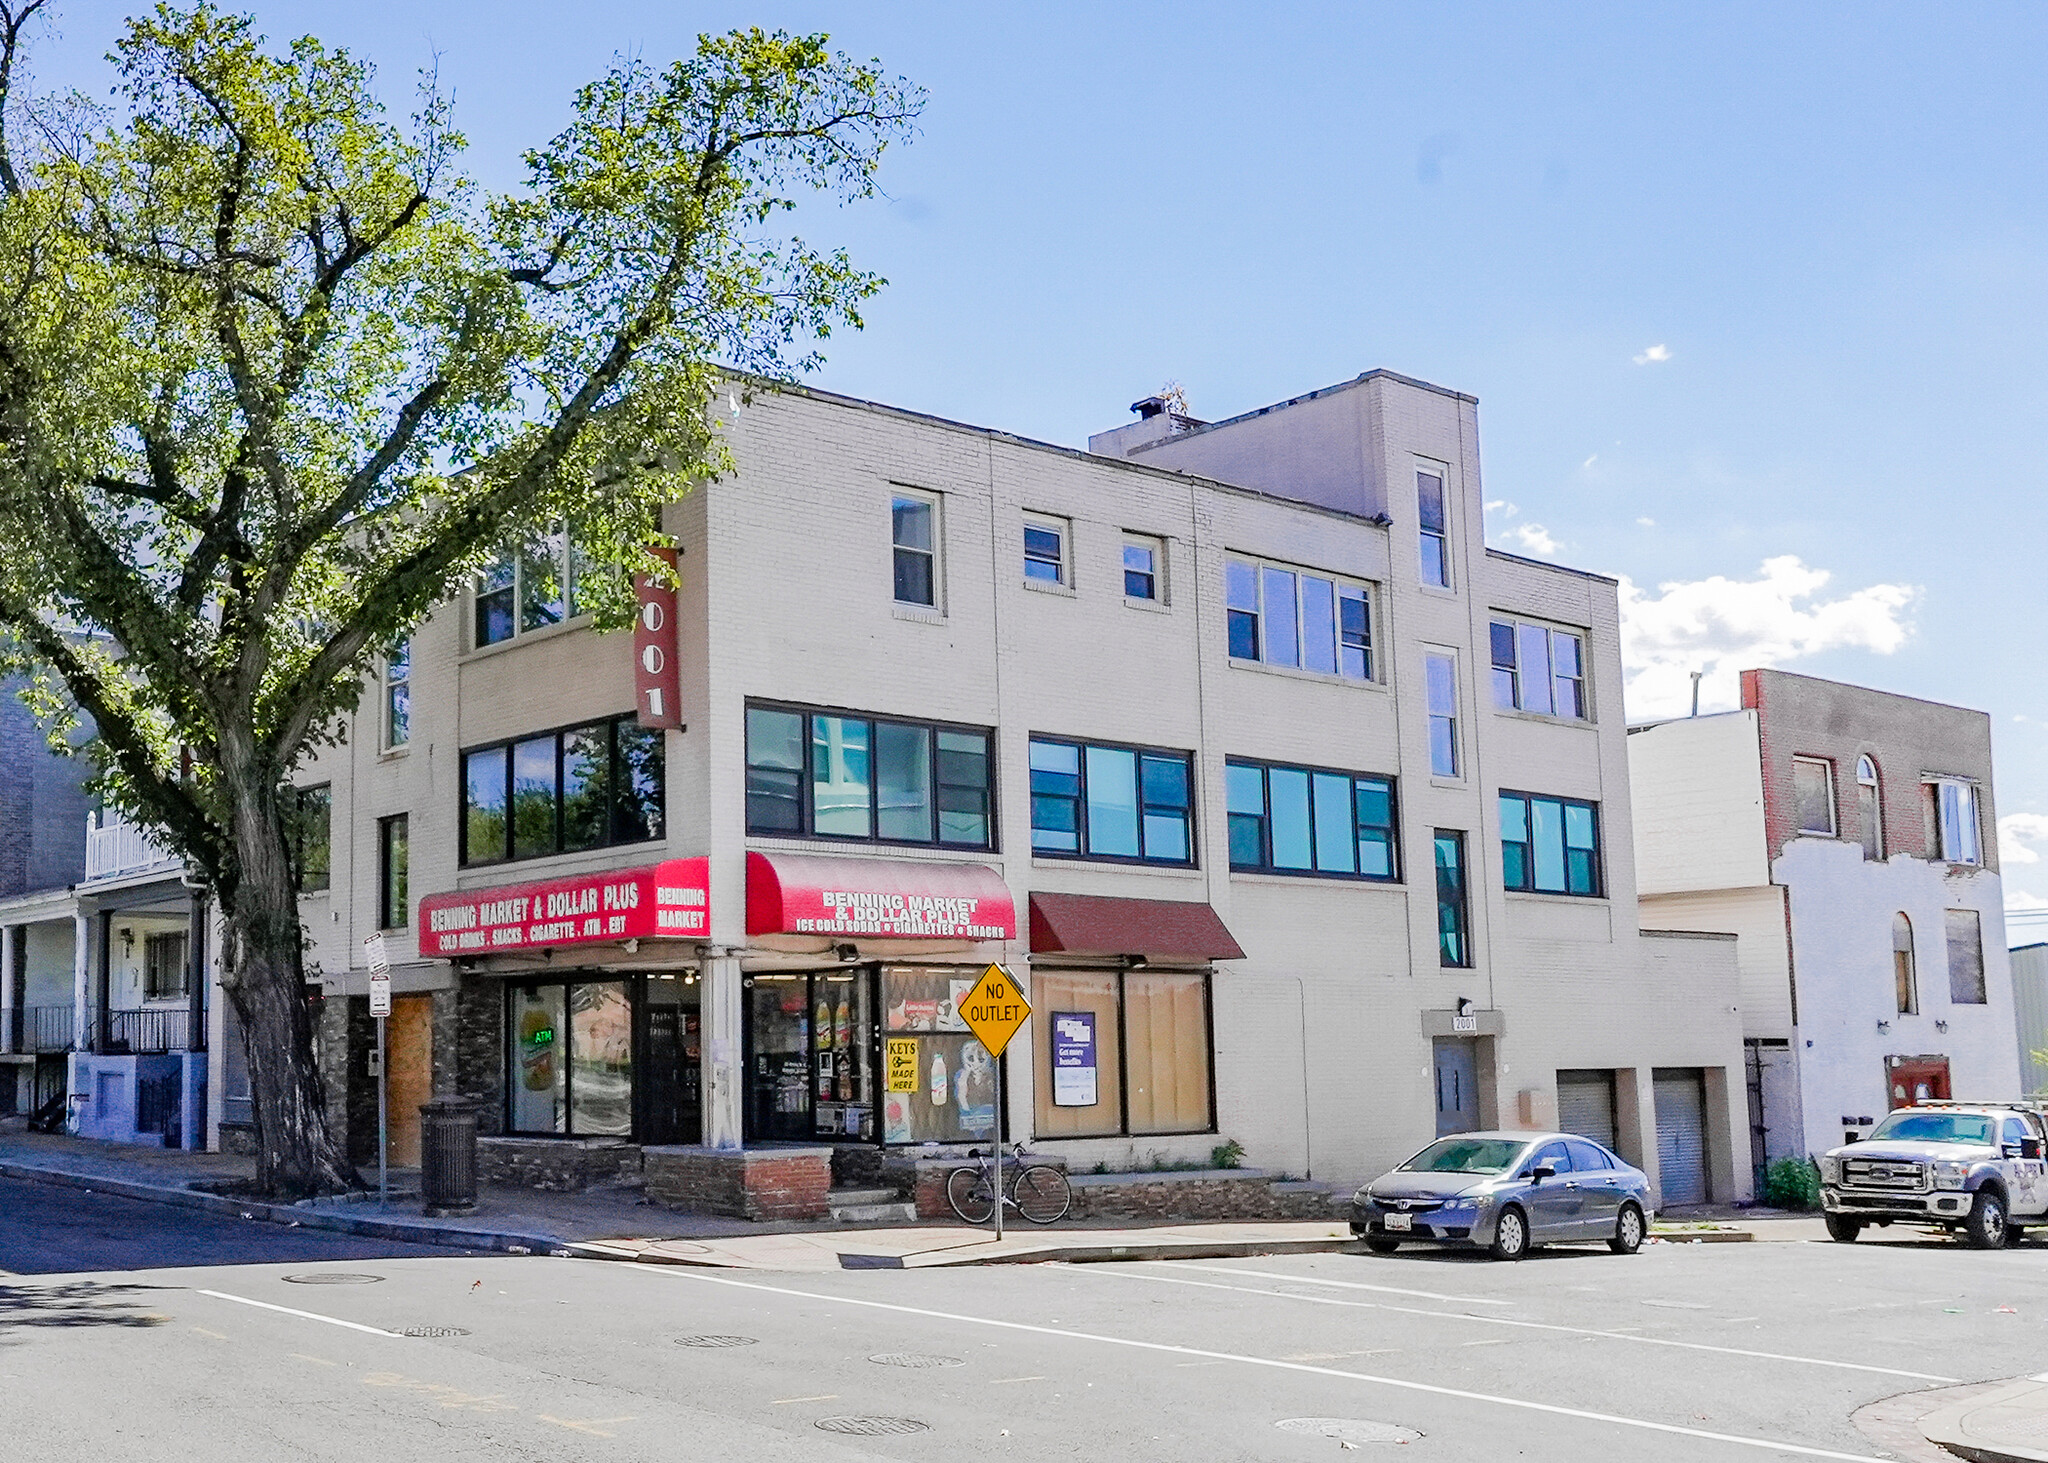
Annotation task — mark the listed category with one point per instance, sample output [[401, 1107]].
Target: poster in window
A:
[[901, 1059], [974, 1088], [1073, 1059]]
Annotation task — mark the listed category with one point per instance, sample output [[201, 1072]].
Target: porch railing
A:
[[165, 1029], [38, 1028], [122, 848]]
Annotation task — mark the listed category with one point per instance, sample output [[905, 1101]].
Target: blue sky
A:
[[1752, 297]]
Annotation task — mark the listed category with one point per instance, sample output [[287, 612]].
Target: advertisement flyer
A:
[[901, 1060], [1073, 1059]]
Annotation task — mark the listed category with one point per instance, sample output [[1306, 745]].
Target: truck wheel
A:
[[1842, 1229], [1985, 1228]]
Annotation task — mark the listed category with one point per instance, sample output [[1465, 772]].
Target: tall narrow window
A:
[[1870, 810], [1432, 515], [1813, 795], [1143, 560], [1965, 929], [1454, 946], [1952, 807], [165, 968], [394, 866], [312, 820], [913, 532], [1241, 594], [1904, 978], [1441, 676], [1045, 549], [398, 693]]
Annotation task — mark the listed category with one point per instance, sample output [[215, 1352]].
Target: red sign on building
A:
[[671, 899], [810, 894], [657, 685]]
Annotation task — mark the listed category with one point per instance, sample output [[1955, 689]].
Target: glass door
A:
[[779, 1083]]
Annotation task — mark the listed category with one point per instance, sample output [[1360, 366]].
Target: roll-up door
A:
[[1585, 1105], [1681, 1135]]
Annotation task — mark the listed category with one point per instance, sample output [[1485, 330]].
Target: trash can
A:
[[448, 1156]]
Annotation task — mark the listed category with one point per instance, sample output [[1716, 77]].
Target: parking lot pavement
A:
[[1680, 1353]]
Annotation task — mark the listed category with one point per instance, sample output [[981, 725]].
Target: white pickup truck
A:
[[1973, 1168]]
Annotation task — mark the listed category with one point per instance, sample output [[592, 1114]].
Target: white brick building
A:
[[1254, 691]]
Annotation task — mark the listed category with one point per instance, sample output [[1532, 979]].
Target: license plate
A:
[[1400, 1221]]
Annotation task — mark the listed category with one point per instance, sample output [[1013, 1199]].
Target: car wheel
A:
[[1985, 1228], [1510, 1235], [1382, 1246], [1842, 1229], [1628, 1231]]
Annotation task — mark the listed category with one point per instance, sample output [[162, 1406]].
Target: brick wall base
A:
[[757, 1183], [1207, 1194], [563, 1165]]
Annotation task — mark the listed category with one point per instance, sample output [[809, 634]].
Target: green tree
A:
[[275, 376]]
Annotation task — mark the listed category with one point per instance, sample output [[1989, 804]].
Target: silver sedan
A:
[[1505, 1192]]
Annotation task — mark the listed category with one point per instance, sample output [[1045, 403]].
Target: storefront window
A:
[[1121, 1053], [940, 1081], [540, 1075], [812, 1040], [571, 1059]]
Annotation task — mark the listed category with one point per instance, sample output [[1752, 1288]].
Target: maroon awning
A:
[[1096, 924]]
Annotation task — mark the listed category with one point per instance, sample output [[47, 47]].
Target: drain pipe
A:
[[1308, 1153]]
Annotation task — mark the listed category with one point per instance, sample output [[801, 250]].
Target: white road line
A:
[[302, 1315], [1370, 1305], [1767, 1445], [1463, 1300]]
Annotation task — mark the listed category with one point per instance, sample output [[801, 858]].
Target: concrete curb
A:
[[1041, 1255], [1702, 1236], [291, 1214], [1949, 1427]]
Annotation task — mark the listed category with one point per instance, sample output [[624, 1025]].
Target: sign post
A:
[[994, 1010], [380, 1007]]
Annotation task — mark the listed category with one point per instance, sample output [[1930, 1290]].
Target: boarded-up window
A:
[[1076, 1053], [1965, 957], [1121, 1053], [1166, 1042]]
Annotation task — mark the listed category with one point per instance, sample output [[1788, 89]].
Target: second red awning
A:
[[1160, 929]]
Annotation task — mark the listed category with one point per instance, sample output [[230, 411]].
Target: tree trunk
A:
[[298, 1152]]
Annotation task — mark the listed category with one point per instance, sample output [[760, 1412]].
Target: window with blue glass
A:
[[1106, 801], [1550, 845], [823, 774], [1453, 914], [1310, 820]]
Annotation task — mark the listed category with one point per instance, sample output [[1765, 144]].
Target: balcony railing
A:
[[164, 1029], [115, 849], [38, 1028]]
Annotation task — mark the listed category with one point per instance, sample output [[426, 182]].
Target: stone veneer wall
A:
[[562, 1165], [1203, 1194], [757, 1183], [479, 1048]]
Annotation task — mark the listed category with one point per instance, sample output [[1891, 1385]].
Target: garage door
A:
[[1585, 1105], [1681, 1135]]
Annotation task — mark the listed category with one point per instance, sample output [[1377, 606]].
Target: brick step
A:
[[838, 1197], [900, 1212]]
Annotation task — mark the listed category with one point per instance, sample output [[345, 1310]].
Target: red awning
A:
[[883, 898], [1094, 924]]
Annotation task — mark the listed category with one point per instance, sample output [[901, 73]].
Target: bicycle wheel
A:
[[971, 1195], [1042, 1194]]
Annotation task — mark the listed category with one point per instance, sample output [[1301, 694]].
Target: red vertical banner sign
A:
[[657, 686]]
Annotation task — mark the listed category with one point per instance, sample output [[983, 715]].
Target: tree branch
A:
[[13, 16]]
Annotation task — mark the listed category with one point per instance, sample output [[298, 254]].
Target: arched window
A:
[[1870, 809], [1902, 966]]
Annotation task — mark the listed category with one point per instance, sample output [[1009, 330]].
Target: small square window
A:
[[1045, 549], [1144, 568]]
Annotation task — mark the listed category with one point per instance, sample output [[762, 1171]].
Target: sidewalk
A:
[[1996, 1422]]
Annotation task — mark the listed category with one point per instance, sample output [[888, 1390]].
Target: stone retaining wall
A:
[[563, 1165], [1200, 1194], [758, 1183]]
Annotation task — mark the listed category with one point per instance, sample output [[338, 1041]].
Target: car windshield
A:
[[1466, 1155], [1934, 1127]]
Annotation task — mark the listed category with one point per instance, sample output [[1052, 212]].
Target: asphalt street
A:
[[1680, 1353]]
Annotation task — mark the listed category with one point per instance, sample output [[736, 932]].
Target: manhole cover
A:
[[334, 1277], [434, 1331], [1348, 1430], [872, 1427], [710, 1342], [912, 1359]]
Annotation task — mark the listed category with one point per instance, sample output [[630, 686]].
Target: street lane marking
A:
[[593, 1425], [821, 1397], [1370, 1305], [265, 1305], [1399, 1384], [1005, 1381], [214, 1334], [1463, 1300]]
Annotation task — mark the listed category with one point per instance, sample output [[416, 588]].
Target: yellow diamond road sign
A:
[[994, 1009]]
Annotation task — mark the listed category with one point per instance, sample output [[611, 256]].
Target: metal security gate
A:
[[1585, 1105], [1681, 1135]]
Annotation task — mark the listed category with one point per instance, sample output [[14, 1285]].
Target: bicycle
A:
[[1040, 1192]]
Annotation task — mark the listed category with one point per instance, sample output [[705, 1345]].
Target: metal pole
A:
[[383, 1123], [999, 1147]]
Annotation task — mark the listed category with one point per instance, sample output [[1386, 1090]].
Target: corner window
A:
[[913, 528], [585, 787], [1440, 675], [529, 588], [1306, 820], [1965, 928], [165, 969], [1813, 795], [1454, 944], [1144, 568], [398, 693], [1549, 845], [1904, 977], [1538, 669], [569, 1051], [1870, 809], [310, 819], [1952, 820], [1433, 514], [394, 867], [1090, 800], [1292, 617], [1123, 1053], [866, 779], [1047, 543]]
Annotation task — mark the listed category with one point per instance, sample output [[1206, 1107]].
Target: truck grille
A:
[[1883, 1173]]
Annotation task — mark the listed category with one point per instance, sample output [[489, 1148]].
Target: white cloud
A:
[[1534, 539], [1724, 626], [1502, 505], [1646, 523], [1589, 462], [1654, 353], [2016, 831]]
